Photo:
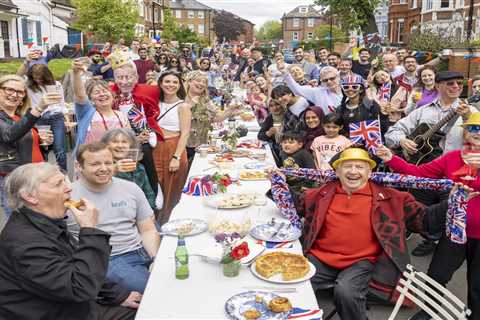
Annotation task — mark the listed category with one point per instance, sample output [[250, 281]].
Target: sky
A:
[[257, 11]]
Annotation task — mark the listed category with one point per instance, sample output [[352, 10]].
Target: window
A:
[[141, 9], [413, 4], [201, 28], [400, 31], [139, 30], [201, 14], [191, 27], [311, 22], [429, 5], [402, 1], [303, 9], [445, 3], [310, 36], [295, 36], [296, 22], [191, 14], [178, 14]]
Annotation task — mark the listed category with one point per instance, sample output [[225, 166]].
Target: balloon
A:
[[157, 37], [45, 39], [29, 45]]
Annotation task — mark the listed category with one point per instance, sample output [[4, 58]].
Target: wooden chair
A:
[[430, 296]]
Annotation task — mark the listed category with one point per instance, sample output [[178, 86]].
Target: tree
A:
[[170, 25], [270, 30], [354, 14], [107, 20], [323, 34], [432, 41], [185, 35], [227, 26]]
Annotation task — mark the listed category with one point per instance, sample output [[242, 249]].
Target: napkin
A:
[[275, 245], [304, 314]]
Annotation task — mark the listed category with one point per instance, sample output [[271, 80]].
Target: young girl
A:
[[258, 101], [326, 146]]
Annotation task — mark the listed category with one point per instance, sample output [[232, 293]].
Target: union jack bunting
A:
[[366, 132], [385, 91], [137, 118]]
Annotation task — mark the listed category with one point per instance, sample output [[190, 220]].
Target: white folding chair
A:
[[430, 296]]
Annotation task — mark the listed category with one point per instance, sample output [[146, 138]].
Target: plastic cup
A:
[[203, 150], [42, 131]]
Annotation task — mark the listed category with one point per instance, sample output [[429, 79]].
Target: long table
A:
[[204, 293]]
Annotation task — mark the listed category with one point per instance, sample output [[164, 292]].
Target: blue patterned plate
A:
[[239, 303], [276, 232]]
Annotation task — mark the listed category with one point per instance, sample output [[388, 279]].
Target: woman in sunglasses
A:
[[355, 107], [461, 166], [205, 65], [19, 141], [174, 65], [162, 62], [328, 96]]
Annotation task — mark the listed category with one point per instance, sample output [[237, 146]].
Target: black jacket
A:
[[45, 274], [15, 141], [260, 65]]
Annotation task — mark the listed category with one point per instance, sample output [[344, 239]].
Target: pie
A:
[[73, 203], [291, 266], [280, 304], [253, 175]]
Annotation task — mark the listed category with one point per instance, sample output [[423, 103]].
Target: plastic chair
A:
[[430, 296]]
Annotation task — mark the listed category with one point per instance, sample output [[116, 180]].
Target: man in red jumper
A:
[[354, 233]]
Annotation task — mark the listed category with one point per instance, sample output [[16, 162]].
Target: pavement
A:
[[457, 286]]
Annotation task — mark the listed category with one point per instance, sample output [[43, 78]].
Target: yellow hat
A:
[[473, 120], [354, 154], [119, 58]]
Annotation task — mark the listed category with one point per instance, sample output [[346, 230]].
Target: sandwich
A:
[[74, 203]]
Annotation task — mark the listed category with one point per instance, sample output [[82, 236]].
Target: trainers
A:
[[424, 249], [421, 315]]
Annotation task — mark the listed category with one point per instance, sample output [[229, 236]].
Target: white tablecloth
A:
[[204, 293]]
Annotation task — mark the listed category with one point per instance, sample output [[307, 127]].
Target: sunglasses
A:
[[352, 87], [173, 61], [329, 79], [163, 58], [473, 129], [453, 82]]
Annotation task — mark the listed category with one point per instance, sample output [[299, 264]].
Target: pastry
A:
[[258, 299], [252, 314], [291, 266], [74, 203], [279, 304], [234, 201], [253, 175]]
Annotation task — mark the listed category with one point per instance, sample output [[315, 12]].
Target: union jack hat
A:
[[352, 79]]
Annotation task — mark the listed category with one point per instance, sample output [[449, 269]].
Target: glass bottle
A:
[[181, 259]]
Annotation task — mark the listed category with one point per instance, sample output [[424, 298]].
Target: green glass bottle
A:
[[181, 259]]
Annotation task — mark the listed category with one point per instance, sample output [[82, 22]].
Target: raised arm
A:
[[78, 86]]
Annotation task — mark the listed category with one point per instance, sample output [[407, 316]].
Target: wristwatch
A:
[[176, 157]]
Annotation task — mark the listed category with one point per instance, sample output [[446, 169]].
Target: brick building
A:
[[300, 23], [195, 16], [404, 18]]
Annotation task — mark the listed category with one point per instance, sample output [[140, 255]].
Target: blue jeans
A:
[[130, 270], [57, 125], [3, 199]]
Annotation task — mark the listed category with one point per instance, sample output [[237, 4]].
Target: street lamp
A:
[[331, 30]]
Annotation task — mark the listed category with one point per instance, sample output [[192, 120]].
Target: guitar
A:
[[427, 138]]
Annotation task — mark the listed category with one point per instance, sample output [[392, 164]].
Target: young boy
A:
[[294, 156]]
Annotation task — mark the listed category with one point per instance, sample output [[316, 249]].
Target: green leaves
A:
[[107, 20], [270, 30]]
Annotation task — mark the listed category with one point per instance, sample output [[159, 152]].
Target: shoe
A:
[[424, 249], [421, 315]]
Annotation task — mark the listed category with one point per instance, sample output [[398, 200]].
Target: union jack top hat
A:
[[352, 79]]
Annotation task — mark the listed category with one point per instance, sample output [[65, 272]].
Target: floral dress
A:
[[203, 113]]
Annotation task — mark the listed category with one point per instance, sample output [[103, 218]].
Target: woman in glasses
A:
[[328, 96], [174, 65], [461, 166], [162, 62], [19, 140], [355, 107], [205, 65], [173, 118]]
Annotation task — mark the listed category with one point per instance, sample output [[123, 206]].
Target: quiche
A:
[[253, 175], [291, 266]]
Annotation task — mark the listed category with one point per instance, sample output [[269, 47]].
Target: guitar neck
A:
[[440, 124]]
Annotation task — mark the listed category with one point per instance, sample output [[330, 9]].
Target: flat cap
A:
[[448, 75]]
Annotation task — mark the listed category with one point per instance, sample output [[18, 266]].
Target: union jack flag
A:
[[366, 132], [137, 118], [385, 91], [275, 245], [306, 314]]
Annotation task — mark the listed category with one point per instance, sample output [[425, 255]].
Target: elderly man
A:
[[354, 233], [124, 213], [311, 71], [44, 272], [130, 94]]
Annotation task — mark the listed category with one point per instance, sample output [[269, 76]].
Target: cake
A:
[[279, 304], [291, 266]]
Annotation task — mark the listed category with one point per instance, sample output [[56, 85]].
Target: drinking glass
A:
[[467, 153], [43, 130]]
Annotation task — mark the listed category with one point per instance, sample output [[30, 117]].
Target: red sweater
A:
[[445, 167], [347, 234]]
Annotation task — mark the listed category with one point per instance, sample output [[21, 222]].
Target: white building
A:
[[41, 22], [381, 17]]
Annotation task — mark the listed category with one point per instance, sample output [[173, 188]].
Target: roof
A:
[[67, 3], [7, 3], [69, 21], [188, 4], [295, 13], [238, 17]]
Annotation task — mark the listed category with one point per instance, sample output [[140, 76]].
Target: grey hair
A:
[[93, 83], [129, 65], [329, 69], [25, 180], [113, 133]]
